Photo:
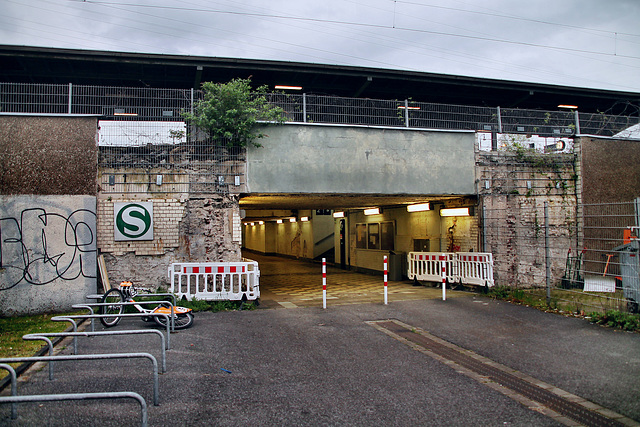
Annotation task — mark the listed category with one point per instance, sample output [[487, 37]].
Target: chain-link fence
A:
[[582, 258]]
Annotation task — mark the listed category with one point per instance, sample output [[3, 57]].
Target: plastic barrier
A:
[[426, 266], [469, 268], [216, 281]]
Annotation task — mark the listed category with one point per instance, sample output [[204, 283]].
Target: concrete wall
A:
[[48, 155], [341, 159], [610, 171], [47, 253]]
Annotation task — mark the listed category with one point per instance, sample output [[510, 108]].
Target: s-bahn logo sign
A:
[[133, 221]]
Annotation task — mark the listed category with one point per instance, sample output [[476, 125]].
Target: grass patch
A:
[[608, 309], [13, 328]]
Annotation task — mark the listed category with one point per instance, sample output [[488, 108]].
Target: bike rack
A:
[[70, 318], [156, 388], [81, 396], [102, 304], [43, 337], [14, 387]]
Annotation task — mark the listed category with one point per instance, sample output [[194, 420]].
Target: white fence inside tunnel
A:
[[216, 281]]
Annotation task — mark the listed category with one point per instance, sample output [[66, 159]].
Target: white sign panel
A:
[[133, 221]]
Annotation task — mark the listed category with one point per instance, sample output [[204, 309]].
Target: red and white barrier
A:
[[216, 281], [470, 268]]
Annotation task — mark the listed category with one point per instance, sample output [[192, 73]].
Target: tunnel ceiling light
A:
[[260, 222], [571, 107], [292, 219], [279, 221], [402, 107], [454, 212], [372, 211], [419, 207], [304, 218], [287, 87], [339, 214]]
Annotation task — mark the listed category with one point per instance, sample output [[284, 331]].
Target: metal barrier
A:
[[89, 306], [70, 318], [216, 281], [469, 268], [80, 396], [43, 337], [14, 387], [156, 388]]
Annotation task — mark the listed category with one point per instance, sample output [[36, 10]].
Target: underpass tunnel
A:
[[355, 232]]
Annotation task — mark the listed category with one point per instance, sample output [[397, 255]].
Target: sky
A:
[[582, 43]]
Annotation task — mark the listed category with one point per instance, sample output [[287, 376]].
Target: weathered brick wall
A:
[[513, 189], [199, 228]]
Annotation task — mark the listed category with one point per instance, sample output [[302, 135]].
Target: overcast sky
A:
[[585, 43]]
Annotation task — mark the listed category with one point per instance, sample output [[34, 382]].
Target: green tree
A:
[[231, 111]]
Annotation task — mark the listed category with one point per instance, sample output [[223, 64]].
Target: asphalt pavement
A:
[[309, 366]]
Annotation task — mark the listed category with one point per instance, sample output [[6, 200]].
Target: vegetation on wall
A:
[[231, 111]]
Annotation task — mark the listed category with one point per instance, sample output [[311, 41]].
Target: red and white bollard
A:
[[324, 283], [385, 279], [443, 264]]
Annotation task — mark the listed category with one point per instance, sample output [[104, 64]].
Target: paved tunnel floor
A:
[[289, 283]]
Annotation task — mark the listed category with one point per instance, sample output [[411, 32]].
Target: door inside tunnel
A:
[[355, 232]]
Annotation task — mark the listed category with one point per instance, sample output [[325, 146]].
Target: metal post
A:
[[385, 278], [14, 387], [191, 100], [547, 256], [70, 97], [499, 121], [304, 108], [577, 122], [406, 113], [484, 227], [443, 264], [324, 283]]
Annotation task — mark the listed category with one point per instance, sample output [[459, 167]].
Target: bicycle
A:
[[183, 317]]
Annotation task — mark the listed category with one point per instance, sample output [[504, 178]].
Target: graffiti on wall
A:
[[40, 246]]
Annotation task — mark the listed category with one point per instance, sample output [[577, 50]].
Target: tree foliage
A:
[[231, 111]]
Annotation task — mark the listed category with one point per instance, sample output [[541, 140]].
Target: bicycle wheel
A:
[[112, 296], [182, 320]]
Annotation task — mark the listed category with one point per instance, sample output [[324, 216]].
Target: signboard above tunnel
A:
[[309, 158]]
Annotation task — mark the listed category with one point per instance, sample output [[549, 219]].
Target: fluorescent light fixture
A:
[[252, 224], [454, 212], [260, 222], [402, 107], [572, 107], [372, 211], [279, 221], [338, 214], [286, 87], [419, 207], [292, 219], [304, 218]]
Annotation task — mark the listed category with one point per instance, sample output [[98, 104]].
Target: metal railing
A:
[[168, 105]]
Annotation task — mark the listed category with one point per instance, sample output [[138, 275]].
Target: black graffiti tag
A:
[[40, 247]]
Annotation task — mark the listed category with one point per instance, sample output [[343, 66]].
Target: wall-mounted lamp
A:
[[260, 222], [252, 224], [372, 211], [292, 219], [287, 87], [402, 107], [339, 214], [419, 207], [304, 218], [279, 221], [455, 212], [571, 107]]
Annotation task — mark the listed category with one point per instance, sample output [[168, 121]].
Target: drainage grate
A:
[[559, 404]]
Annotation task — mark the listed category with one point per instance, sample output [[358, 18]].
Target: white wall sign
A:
[[133, 221]]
